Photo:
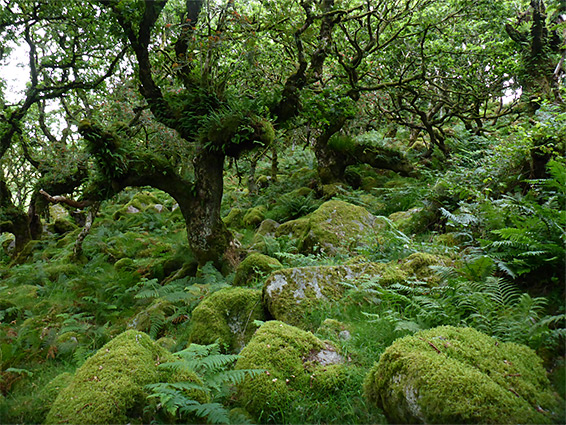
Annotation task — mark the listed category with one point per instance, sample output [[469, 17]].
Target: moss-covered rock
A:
[[265, 232], [49, 393], [140, 202], [153, 318], [414, 220], [254, 267], [419, 265], [294, 360], [459, 375], [290, 295], [228, 316], [254, 216], [336, 226], [62, 226], [109, 388], [126, 264], [57, 211], [234, 218], [293, 228]]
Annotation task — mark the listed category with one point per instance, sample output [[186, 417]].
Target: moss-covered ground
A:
[[137, 275]]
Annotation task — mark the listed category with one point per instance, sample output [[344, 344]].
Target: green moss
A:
[[254, 267], [110, 387], [293, 228], [62, 226], [415, 220], [254, 216], [152, 319], [291, 295], [228, 316], [419, 265], [125, 264], [267, 227], [292, 360], [54, 271], [49, 393], [459, 375], [140, 202], [337, 226], [27, 251], [234, 218]]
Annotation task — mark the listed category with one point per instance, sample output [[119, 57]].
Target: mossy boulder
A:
[[227, 315], [294, 361], [254, 267], [337, 226], [109, 388], [62, 226], [413, 221], [293, 228], [290, 295], [265, 232], [153, 318], [139, 202], [419, 265], [254, 216], [48, 394], [459, 375], [234, 218], [58, 211]]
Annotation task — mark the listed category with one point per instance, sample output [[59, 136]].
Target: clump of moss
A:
[[140, 202], [49, 393], [227, 315], [414, 220], [293, 359], [419, 265], [110, 386], [335, 226], [234, 218], [254, 216], [254, 267], [459, 375]]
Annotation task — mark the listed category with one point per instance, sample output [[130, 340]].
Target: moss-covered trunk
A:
[[331, 163], [12, 219], [209, 238]]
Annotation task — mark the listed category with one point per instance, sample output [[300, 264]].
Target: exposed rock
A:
[[291, 294], [459, 375]]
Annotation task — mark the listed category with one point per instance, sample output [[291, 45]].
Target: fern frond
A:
[[214, 412]]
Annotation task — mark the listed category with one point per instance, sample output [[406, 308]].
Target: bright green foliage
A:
[[459, 375], [215, 375], [535, 235], [110, 386], [227, 316], [254, 267], [471, 297]]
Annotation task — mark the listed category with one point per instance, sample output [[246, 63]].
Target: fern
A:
[[213, 369]]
